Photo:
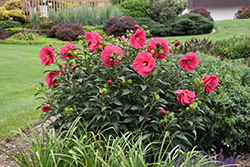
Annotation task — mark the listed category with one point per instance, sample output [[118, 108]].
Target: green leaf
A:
[[141, 118], [126, 107], [118, 103], [143, 87], [128, 120], [134, 108], [145, 97], [126, 92]]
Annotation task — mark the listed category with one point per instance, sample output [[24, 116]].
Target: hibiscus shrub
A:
[[66, 32], [243, 13], [118, 26], [126, 85], [227, 117], [189, 24]]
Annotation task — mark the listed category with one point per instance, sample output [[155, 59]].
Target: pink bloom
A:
[[49, 79], [67, 51], [177, 43], [185, 96], [160, 46], [137, 40], [119, 38], [211, 82], [47, 55], [163, 112], [144, 63], [46, 107], [137, 26], [123, 39], [94, 40], [189, 62], [109, 82], [247, 12], [106, 55]]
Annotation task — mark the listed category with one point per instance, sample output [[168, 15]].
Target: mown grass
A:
[[224, 29]]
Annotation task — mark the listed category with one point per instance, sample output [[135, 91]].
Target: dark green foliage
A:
[[162, 10], [203, 12], [188, 24], [3, 34], [234, 48], [155, 28], [118, 26], [66, 32], [227, 117], [10, 24], [134, 8], [12, 31], [198, 45]]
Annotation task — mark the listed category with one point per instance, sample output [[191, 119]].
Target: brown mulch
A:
[[5, 161]]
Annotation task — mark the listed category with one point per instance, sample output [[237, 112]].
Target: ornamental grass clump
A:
[[124, 85]]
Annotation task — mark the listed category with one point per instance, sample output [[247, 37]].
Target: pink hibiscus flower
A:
[[106, 55], [49, 79], [160, 47], [144, 63], [185, 96], [47, 55], [46, 107], [137, 40], [94, 40], [67, 51], [189, 62], [211, 82]]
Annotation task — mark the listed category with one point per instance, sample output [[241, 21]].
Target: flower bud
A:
[[199, 102], [161, 51], [157, 96], [100, 47], [166, 120], [104, 90], [71, 109], [187, 109], [101, 91], [177, 43], [137, 26], [152, 51], [130, 81], [118, 58], [109, 82], [162, 121], [119, 38], [106, 85], [66, 109], [163, 112], [124, 81]]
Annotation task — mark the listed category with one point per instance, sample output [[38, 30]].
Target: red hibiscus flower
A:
[[185, 96], [46, 107], [160, 47], [47, 55], [177, 43], [49, 79], [67, 51], [211, 82], [247, 12], [144, 63], [94, 40], [137, 40], [107, 58], [189, 62]]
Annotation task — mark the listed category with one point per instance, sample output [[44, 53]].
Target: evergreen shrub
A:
[[118, 26], [12, 31], [189, 24], [10, 24], [134, 8], [66, 32], [155, 28]]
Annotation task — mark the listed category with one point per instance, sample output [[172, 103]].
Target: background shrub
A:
[[203, 12], [197, 45], [162, 10], [188, 24], [12, 10], [35, 20], [243, 13], [227, 117], [118, 26], [10, 24], [134, 8], [155, 28], [66, 32], [45, 23], [109, 12], [235, 47], [3, 34], [12, 31]]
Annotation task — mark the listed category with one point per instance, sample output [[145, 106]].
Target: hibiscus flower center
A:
[[145, 63], [158, 45], [48, 55], [187, 60], [184, 94], [137, 38]]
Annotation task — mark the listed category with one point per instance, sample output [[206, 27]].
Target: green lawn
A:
[[224, 29]]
